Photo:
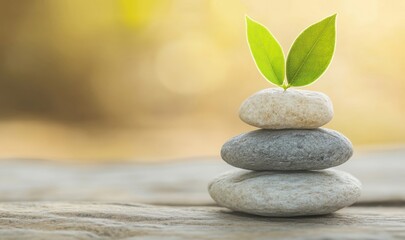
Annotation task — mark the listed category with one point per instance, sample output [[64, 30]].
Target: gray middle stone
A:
[[292, 149]]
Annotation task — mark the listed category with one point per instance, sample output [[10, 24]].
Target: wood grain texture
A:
[[49, 200], [64, 220]]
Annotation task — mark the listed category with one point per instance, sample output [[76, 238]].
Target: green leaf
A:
[[311, 53], [266, 52]]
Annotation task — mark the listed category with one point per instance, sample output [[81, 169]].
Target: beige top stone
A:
[[274, 108]]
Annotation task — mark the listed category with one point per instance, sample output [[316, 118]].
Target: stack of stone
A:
[[284, 160]]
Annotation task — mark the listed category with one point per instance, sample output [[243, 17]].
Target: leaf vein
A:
[[309, 52], [268, 59]]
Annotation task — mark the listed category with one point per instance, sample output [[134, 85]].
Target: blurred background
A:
[[102, 80]]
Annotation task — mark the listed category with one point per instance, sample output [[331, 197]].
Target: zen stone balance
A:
[[285, 164]]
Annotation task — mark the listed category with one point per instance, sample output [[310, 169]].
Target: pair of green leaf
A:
[[308, 58]]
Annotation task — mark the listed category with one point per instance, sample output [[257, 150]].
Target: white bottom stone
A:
[[285, 193]]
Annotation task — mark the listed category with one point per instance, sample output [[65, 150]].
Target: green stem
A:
[[285, 86]]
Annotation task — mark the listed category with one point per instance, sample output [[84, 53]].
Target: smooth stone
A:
[[274, 108], [290, 149], [285, 194]]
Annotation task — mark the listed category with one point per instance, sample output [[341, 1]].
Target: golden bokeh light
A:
[[176, 70], [162, 79]]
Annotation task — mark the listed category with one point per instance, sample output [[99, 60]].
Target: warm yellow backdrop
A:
[[161, 79]]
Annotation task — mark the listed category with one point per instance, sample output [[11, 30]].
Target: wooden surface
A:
[[182, 182], [49, 200], [62, 220]]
